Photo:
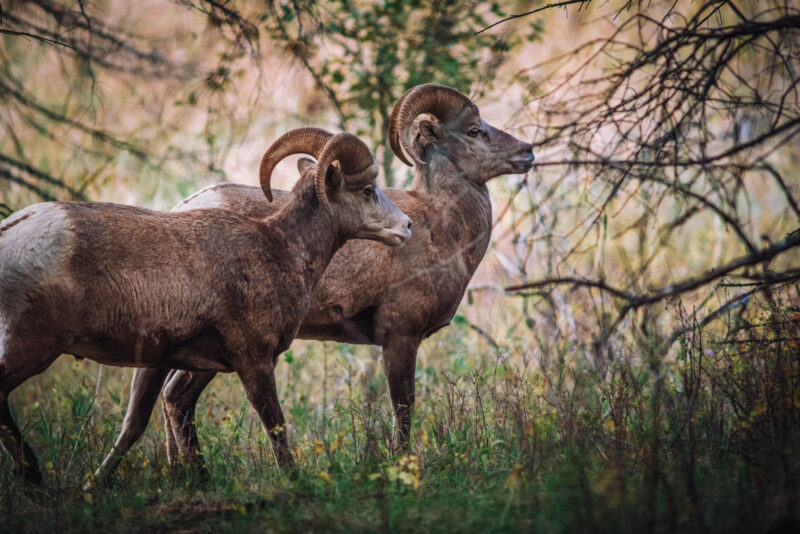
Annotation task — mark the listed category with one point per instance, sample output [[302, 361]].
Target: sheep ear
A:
[[430, 131], [303, 164], [334, 180]]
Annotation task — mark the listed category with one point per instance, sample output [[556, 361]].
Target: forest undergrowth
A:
[[538, 433]]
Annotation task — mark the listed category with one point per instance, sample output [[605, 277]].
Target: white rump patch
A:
[[35, 246]]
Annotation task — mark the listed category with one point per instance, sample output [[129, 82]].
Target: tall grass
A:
[[536, 433]]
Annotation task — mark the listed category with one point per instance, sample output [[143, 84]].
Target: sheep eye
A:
[[473, 132], [369, 191]]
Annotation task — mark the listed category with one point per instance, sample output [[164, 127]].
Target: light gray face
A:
[[479, 149], [363, 210]]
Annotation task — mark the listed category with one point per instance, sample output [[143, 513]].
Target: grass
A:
[[539, 434]]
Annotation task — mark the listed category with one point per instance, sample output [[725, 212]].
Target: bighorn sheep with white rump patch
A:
[[206, 290], [371, 294]]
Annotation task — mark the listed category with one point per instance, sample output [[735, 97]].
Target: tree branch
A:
[[635, 301], [42, 176], [537, 10]]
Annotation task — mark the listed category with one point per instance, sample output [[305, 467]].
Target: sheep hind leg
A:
[[181, 394], [144, 392], [25, 464], [171, 443]]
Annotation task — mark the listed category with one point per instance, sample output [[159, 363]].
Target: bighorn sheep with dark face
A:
[[205, 290], [374, 295]]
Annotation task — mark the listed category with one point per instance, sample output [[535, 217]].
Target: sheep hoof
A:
[[31, 476]]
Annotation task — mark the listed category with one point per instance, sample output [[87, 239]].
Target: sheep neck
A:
[[441, 179], [313, 234], [442, 174], [460, 204]]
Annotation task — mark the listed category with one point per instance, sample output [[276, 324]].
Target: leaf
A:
[[288, 14], [406, 478], [391, 473]]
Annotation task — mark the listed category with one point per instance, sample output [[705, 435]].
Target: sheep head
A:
[[478, 149], [344, 180]]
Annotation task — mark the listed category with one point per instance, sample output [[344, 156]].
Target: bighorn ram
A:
[[206, 290], [371, 294]]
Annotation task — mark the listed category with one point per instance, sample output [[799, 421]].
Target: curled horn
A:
[[299, 141], [442, 102], [354, 157], [394, 136]]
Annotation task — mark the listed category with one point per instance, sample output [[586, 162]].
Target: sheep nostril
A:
[[409, 225]]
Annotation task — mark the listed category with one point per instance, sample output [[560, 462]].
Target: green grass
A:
[[539, 435]]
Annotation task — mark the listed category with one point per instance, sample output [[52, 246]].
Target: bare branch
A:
[[537, 10], [5, 173], [41, 38], [633, 301], [74, 194]]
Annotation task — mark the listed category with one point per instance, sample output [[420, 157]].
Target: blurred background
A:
[[641, 289]]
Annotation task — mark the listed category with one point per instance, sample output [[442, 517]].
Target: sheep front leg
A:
[[399, 362], [145, 388], [258, 380]]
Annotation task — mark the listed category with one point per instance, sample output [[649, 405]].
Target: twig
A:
[[635, 301], [39, 38], [537, 10], [735, 302]]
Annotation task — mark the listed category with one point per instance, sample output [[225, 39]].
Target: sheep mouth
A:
[[395, 238], [391, 236], [522, 164]]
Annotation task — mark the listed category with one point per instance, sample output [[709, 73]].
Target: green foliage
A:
[[365, 55]]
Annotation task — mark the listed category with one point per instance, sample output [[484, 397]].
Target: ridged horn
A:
[[309, 141], [394, 136], [354, 157], [442, 102]]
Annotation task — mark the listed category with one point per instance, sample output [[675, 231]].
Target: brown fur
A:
[[202, 290], [393, 298]]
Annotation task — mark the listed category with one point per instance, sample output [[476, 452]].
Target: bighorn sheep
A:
[[373, 295], [206, 290]]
